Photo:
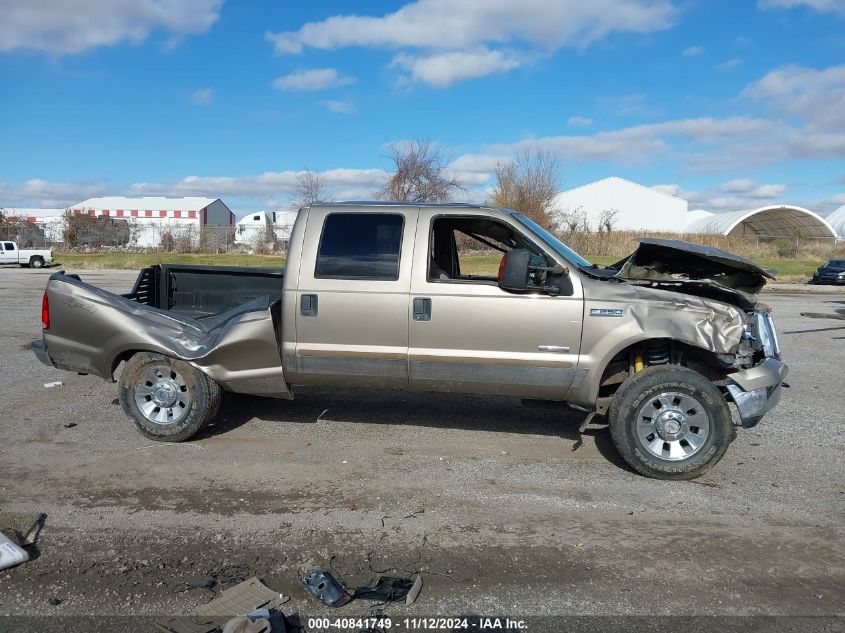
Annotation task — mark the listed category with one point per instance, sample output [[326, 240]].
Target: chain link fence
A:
[[89, 234]]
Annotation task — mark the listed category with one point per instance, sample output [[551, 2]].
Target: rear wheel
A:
[[670, 422], [36, 262], [167, 399]]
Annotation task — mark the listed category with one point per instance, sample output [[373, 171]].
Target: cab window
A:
[[9, 246], [470, 249], [360, 246]]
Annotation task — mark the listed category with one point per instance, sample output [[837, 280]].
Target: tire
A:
[[670, 422], [36, 262], [214, 407], [167, 399]]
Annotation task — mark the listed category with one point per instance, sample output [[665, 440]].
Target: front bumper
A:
[[757, 391], [39, 348]]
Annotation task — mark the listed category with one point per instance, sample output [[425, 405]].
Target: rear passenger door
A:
[[352, 297]]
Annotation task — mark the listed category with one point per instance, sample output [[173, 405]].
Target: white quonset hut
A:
[[634, 207], [837, 221], [773, 221], [154, 217]]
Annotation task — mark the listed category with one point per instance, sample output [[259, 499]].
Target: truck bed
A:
[[204, 291], [223, 320]]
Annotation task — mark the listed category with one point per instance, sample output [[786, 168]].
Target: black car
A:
[[833, 272]]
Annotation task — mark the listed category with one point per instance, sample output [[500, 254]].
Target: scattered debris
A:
[[69, 425], [323, 586], [246, 597], [328, 590], [54, 601], [11, 554], [50, 385], [17, 531]]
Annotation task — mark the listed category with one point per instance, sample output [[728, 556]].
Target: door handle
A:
[[308, 305], [422, 309]]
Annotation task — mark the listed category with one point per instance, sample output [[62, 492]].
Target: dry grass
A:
[[791, 261]]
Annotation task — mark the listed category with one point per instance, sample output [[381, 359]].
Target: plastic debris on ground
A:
[[50, 385], [328, 590], [18, 531], [245, 598]]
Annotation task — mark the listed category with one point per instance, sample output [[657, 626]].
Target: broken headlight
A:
[[768, 335]]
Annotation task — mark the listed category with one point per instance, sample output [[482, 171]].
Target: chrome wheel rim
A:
[[162, 395], [672, 426]]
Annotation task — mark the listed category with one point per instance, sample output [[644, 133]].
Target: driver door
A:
[[466, 334], [8, 253]]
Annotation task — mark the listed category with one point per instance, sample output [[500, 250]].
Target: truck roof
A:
[[390, 203]]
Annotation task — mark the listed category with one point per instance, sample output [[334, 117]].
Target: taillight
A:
[[45, 313]]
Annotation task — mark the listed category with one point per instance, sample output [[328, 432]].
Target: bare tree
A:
[[421, 174], [529, 183], [310, 187], [607, 220]]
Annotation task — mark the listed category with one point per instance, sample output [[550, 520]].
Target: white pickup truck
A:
[[26, 258]]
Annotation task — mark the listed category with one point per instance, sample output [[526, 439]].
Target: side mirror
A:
[[513, 271]]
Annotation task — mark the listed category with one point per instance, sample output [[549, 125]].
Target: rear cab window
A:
[[9, 246], [360, 246]]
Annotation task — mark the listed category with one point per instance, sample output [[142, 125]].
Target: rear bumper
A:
[[757, 391], [39, 348]]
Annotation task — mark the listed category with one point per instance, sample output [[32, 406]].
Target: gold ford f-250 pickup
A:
[[376, 295]]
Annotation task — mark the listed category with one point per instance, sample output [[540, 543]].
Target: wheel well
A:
[[126, 355], [658, 351]]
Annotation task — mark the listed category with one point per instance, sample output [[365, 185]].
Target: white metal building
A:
[[636, 207], [154, 216], [51, 221]]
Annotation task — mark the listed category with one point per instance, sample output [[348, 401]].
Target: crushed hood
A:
[[695, 269]]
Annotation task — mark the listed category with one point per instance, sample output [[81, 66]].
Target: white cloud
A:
[[731, 196], [462, 24], [338, 107], [272, 184], [443, 69], [828, 205], [312, 80], [579, 121], [477, 30], [821, 6], [730, 64], [44, 193], [627, 105], [73, 26], [817, 96], [739, 185], [692, 51], [203, 96]]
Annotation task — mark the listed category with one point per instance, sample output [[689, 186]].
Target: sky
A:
[[731, 104]]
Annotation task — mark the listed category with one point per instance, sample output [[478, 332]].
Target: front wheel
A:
[[167, 399], [670, 422]]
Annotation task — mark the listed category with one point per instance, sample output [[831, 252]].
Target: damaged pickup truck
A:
[[381, 295]]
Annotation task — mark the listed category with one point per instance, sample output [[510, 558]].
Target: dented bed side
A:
[[92, 330]]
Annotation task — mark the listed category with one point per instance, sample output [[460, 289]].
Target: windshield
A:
[[835, 263], [562, 249]]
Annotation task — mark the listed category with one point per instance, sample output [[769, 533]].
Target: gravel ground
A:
[[504, 509]]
